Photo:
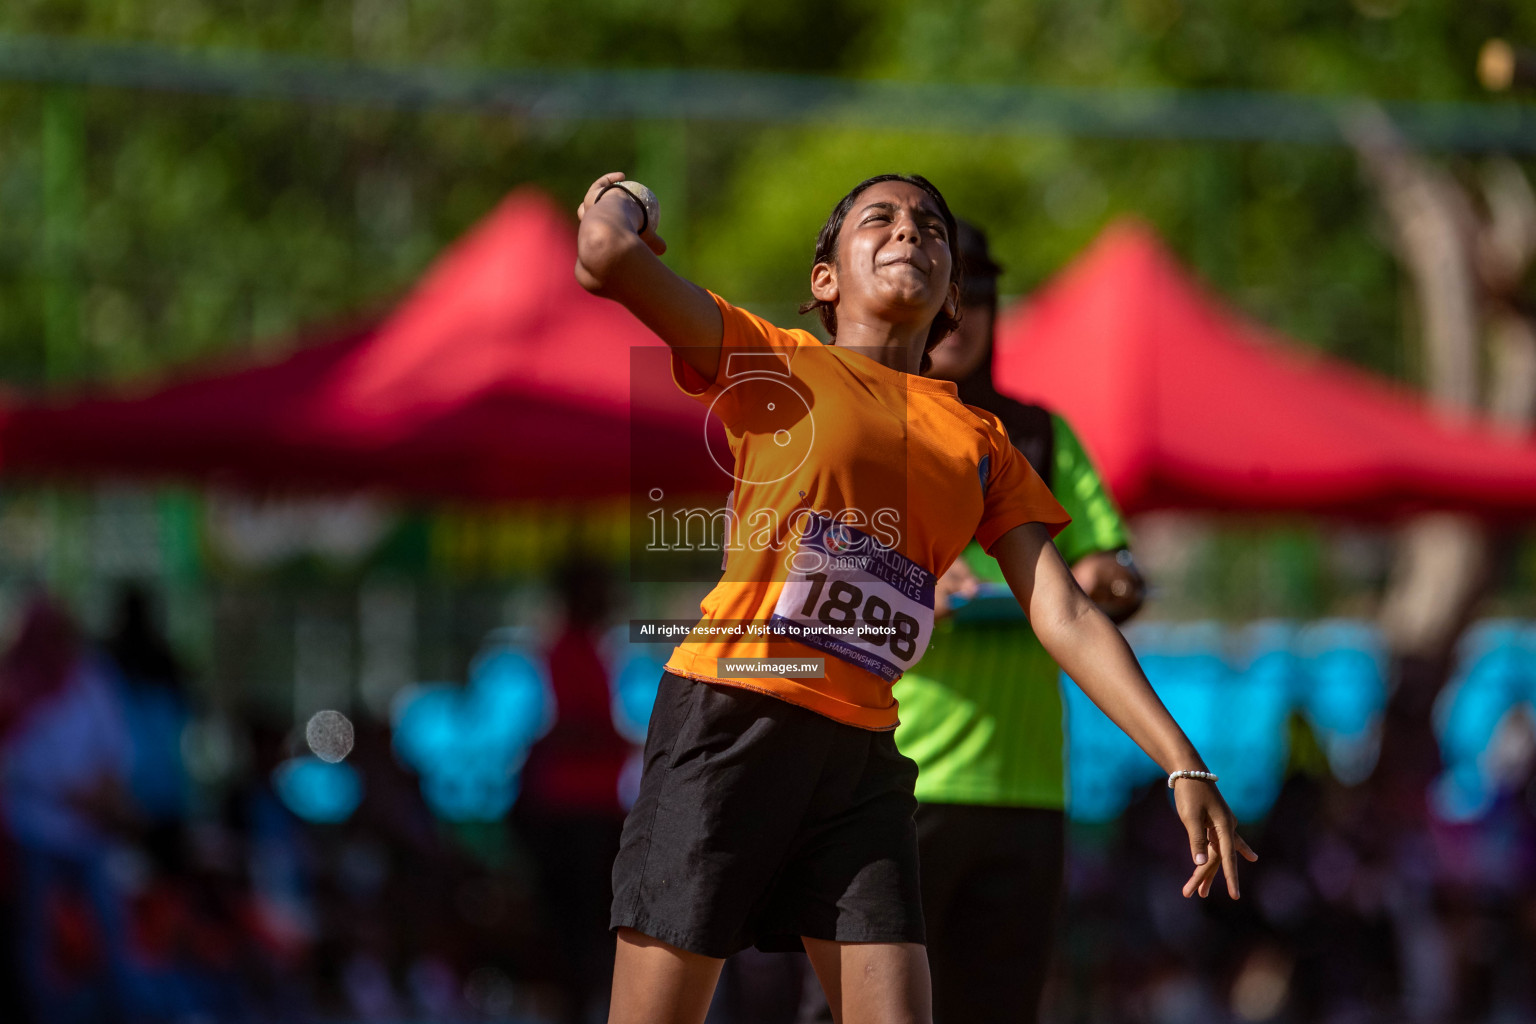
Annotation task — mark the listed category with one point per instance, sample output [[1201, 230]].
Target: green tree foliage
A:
[[141, 231]]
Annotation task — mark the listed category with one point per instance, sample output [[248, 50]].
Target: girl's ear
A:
[[952, 303], [824, 283]]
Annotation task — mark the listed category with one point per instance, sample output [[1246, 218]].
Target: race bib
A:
[[856, 599]]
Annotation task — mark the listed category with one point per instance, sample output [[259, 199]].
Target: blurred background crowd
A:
[[319, 487]]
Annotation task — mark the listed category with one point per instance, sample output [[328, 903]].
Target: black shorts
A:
[[992, 880], [760, 821]]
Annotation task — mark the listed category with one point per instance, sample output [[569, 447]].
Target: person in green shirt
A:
[[981, 714]]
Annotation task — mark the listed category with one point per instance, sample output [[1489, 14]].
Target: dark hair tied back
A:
[[826, 252]]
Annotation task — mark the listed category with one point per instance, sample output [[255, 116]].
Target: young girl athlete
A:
[[774, 809]]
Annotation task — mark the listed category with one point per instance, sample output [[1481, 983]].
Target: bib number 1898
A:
[[845, 604], [856, 599]]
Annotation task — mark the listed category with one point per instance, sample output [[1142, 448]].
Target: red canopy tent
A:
[[500, 378], [497, 378], [1187, 405]]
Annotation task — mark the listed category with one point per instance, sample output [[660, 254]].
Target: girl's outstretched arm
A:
[[1091, 650], [615, 261]]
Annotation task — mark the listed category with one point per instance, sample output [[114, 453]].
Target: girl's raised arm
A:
[[615, 261], [1091, 650]]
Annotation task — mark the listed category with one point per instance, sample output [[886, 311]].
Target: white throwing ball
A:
[[647, 199]]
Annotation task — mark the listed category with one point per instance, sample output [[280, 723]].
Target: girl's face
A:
[[893, 258]]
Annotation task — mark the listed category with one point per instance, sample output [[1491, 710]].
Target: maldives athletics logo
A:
[[839, 538]]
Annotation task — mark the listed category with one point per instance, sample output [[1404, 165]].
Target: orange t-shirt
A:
[[856, 486]]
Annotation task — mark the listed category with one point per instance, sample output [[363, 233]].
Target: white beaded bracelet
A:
[[1207, 776]]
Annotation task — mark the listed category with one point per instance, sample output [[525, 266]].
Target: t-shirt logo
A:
[[984, 470]]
